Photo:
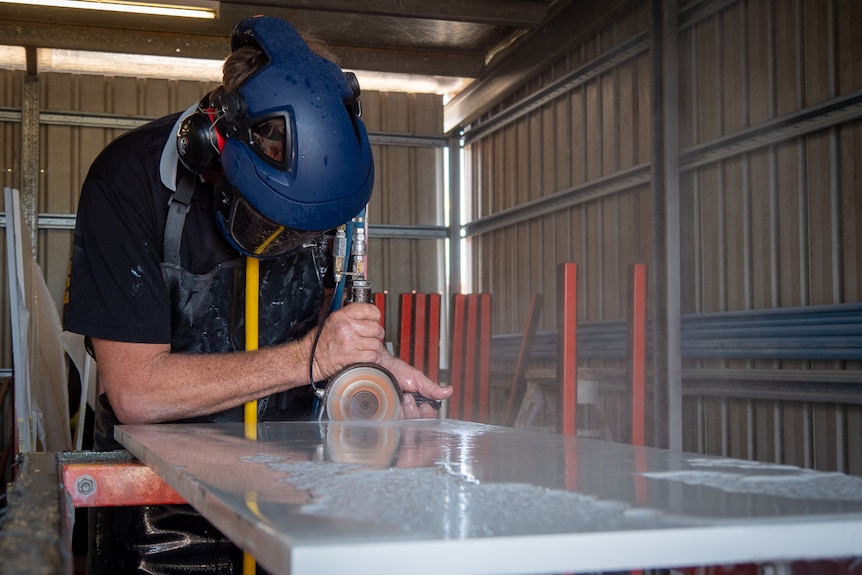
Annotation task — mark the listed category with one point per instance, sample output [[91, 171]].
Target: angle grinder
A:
[[363, 392]]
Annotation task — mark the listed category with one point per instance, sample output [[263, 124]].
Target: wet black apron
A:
[[207, 317]]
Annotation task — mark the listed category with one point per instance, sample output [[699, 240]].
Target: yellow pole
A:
[[252, 280], [252, 313], [252, 285]]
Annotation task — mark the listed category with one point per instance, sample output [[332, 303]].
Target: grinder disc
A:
[[363, 392], [364, 444]]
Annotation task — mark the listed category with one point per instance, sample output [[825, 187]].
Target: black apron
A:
[[207, 317]]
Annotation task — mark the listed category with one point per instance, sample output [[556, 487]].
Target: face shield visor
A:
[[270, 137], [253, 234], [296, 155]]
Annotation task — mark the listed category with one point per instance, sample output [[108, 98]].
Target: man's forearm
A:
[[146, 383]]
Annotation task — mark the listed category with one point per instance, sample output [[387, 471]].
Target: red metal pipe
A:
[[471, 357], [568, 363], [420, 326], [485, 358], [457, 357], [406, 321], [434, 337], [380, 303]]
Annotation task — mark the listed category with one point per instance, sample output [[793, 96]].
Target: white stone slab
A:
[[448, 496]]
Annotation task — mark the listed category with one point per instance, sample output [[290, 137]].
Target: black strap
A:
[[178, 207]]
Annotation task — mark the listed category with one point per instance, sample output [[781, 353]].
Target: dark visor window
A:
[[270, 139], [261, 237]]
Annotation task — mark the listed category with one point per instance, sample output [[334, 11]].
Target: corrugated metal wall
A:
[[598, 128], [771, 209], [409, 192], [80, 114], [779, 226]]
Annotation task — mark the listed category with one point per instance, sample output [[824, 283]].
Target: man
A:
[[263, 167]]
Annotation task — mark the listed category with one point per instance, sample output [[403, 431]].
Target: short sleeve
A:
[[116, 291]]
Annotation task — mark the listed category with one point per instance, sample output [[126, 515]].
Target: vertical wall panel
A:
[[787, 55], [819, 222], [593, 134], [737, 429], [734, 115], [854, 430], [392, 178], [610, 122], [850, 175], [528, 162], [611, 272], [408, 191], [59, 179], [772, 226], [761, 222], [759, 35], [626, 110], [848, 20], [734, 236]]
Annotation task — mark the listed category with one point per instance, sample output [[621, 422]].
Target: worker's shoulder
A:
[[139, 149], [147, 140]]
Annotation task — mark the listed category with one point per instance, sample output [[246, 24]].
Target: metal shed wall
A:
[[408, 193], [79, 114], [598, 127], [769, 117]]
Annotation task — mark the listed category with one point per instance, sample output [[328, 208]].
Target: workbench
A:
[[432, 496]]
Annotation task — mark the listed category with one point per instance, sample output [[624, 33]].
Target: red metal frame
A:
[[419, 332], [568, 347], [471, 357], [380, 303], [433, 370], [637, 352], [568, 364], [419, 327], [457, 356], [637, 373], [116, 484], [406, 320], [470, 354], [485, 358]]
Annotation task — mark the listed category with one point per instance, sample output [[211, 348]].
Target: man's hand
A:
[[353, 334], [412, 380]]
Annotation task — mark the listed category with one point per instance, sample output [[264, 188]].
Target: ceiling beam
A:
[[518, 13], [419, 63], [66, 37]]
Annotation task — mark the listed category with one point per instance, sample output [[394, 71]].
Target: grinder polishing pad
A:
[[363, 392]]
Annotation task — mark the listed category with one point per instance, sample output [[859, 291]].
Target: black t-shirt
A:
[[116, 290]]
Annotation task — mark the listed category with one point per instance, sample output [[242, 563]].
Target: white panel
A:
[[435, 496]]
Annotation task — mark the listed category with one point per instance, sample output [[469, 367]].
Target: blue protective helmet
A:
[[297, 156]]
